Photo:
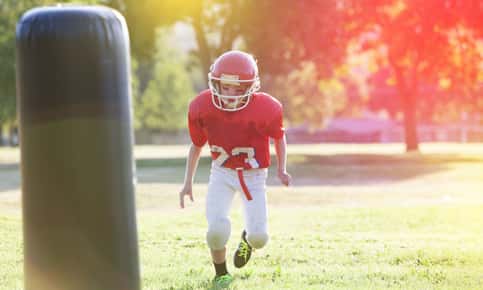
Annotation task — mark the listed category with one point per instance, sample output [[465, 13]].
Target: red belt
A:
[[243, 184]]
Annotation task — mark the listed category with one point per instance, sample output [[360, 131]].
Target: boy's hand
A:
[[285, 178], [186, 190]]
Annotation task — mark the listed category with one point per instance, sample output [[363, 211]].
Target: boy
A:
[[237, 122]]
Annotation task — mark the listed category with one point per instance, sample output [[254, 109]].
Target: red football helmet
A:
[[233, 68]]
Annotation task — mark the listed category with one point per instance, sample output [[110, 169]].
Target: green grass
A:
[[403, 248], [374, 220]]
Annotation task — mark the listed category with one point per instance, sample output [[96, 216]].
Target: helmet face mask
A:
[[237, 70]]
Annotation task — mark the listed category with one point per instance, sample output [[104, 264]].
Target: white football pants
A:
[[223, 185]]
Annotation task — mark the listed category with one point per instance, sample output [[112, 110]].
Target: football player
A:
[[237, 121]]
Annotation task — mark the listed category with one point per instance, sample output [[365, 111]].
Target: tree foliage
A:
[[286, 35], [307, 99], [283, 35], [299, 46], [164, 104], [428, 42]]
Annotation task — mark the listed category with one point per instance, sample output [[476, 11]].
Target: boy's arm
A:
[[191, 165], [281, 152]]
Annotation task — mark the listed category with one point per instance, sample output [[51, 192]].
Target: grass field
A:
[[357, 217]]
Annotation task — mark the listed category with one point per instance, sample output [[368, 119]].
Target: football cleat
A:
[[243, 253], [222, 281]]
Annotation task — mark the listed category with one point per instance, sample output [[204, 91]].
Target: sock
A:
[[220, 268]]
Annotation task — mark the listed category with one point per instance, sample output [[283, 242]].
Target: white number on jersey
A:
[[224, 156], [250, 152]]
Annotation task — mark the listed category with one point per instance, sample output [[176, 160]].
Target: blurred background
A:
[[398, 75], [368, 71]]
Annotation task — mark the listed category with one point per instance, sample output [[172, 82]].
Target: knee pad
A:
[[218, 234], [257, 240]]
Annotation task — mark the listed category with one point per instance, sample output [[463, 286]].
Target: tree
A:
[[283, 35], [286, 35], [421, 44], [306, 98], [300, 46], [282, 48], [144, 17], [164, 104]]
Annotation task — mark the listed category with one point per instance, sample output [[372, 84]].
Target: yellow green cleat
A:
[[222, 281], [243, 253]]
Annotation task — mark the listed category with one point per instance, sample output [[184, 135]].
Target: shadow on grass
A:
[[366, 169], [335, 170], [315, 170]]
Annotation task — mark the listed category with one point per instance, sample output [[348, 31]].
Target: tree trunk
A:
[[144, 73], [230, 29], [1, 134], [408, 91], [410, 125], [203, 48], [13, 136]]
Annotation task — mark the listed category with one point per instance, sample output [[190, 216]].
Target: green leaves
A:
[[163, 105]]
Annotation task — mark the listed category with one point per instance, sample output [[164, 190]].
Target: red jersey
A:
[[238, 139]]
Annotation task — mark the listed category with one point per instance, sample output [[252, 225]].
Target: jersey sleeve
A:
[[195, 125], [275, 127]]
